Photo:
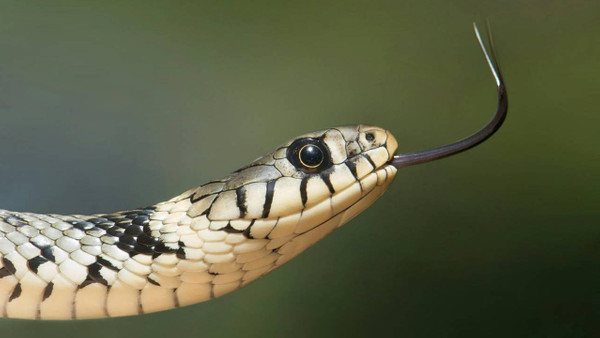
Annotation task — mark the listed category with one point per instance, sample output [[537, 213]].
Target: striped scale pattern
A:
[[199, 245]]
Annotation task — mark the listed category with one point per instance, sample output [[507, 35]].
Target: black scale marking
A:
[[368, 158], [231, 230], [241, 201], [94, 274], [4, 272], [325, 177], [352, 167], [48, 291], [16, 292], [268, 198], [48, 254], [248, 229], [104, 263], [303, 192], [133, 234], [129, 230], [8, 266], [88, 280], [35, 262], [15, 221]]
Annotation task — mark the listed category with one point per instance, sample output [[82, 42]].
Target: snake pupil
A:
[[311, 156]]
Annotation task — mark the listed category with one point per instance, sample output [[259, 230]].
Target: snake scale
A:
[[210, 240]]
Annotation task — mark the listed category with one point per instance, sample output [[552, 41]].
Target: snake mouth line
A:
[[341, 216], [384, 175], [369, 187]]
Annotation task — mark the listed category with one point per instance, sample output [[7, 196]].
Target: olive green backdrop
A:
[[112, 105]]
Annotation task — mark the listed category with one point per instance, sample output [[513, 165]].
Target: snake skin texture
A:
[[199, 245]]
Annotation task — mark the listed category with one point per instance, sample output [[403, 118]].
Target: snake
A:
[[210, 240]]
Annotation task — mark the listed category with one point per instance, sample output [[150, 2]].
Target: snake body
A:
[[201, 244], [210, 240]]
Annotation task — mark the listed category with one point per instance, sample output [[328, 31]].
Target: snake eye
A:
[[310, 156]]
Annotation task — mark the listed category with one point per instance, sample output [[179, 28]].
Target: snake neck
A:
[[172, 254]]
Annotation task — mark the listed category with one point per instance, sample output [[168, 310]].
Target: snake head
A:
[[303, 190]]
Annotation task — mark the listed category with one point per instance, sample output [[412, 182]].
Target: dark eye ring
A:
[[311, 156]]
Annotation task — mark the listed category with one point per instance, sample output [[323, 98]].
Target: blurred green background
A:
[[110, 105]]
